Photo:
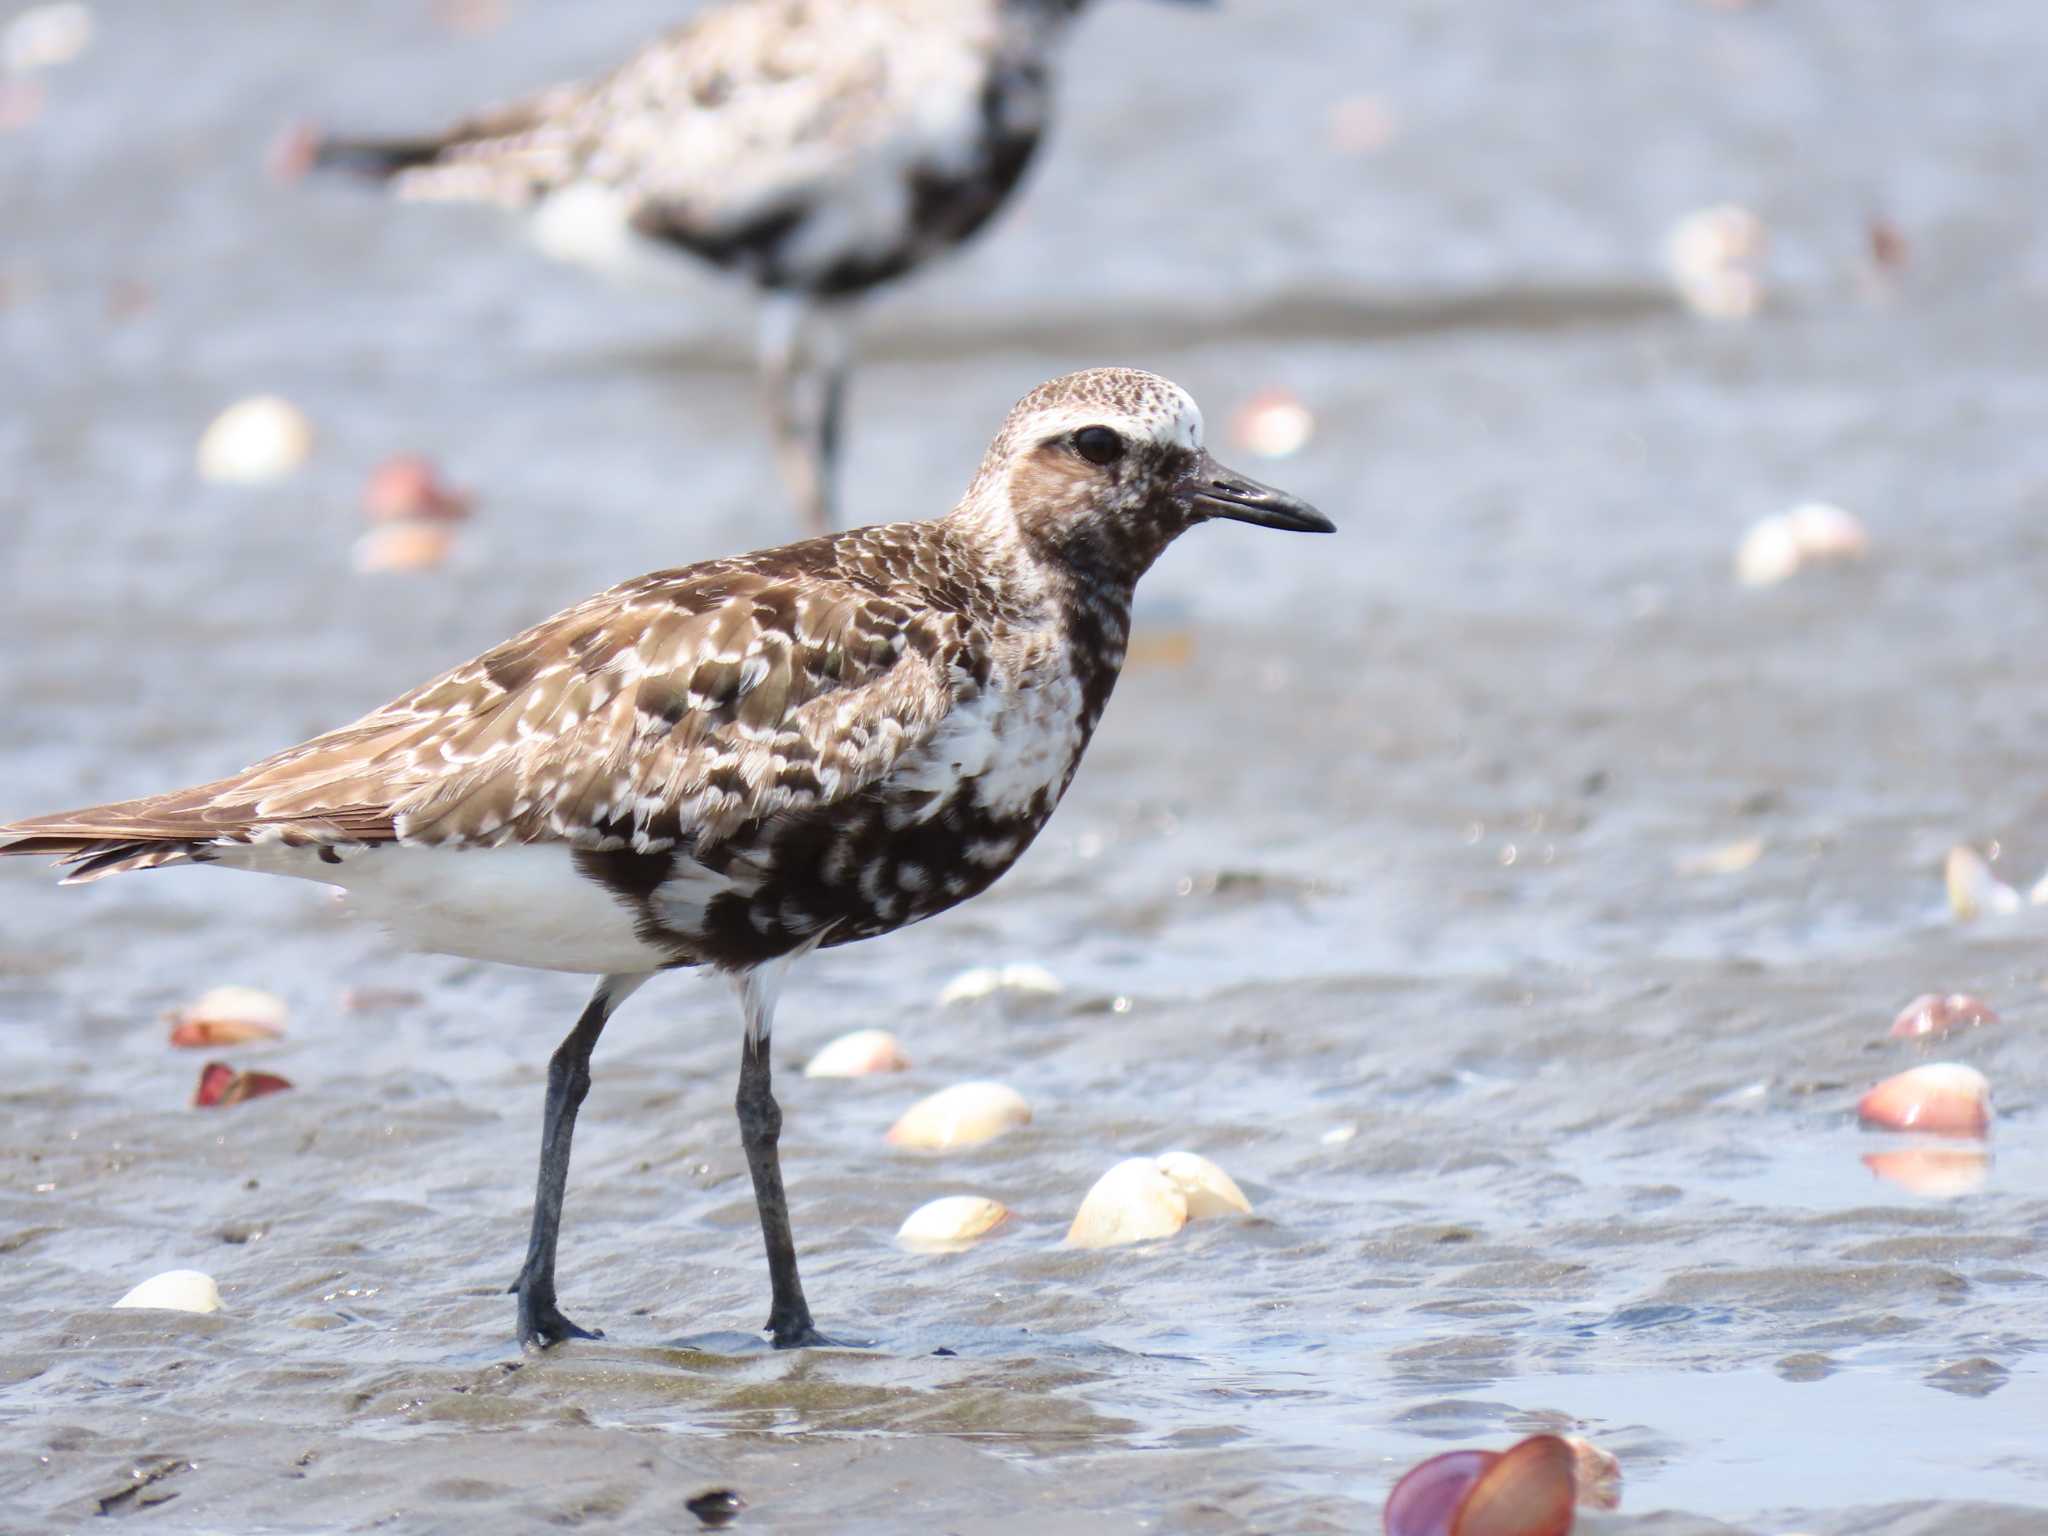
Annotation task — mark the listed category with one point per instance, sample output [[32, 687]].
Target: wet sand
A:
[[1382, 832]]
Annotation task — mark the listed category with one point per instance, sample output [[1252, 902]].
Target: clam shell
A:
[[987, 980], [963, 1115], [1945, 1098], [228, 1016], [175, 1290], [1973, 890], [1596, 1473], [254, 442], [1132, 1203], [951, 1223], [1208, 1190], [1933, 1014], [1429, 1493], [859, 1053], [1529, 1491]]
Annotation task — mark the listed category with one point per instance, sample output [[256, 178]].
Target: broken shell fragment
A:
[[228, 1016], [1596, 1474], [1933, 1014], [963, 1115], [1943, 1173], [987, 980], [1973, 890], [951, 1223], [1207, 1189], [175, 1290], [255, 441], [409, 486], [860, 1053], [1728, 859], [220, 1085], [1526, 1490], [1132, 1203], [1944, 1098]]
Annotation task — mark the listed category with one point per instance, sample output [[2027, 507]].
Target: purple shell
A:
[[1426, 1498]]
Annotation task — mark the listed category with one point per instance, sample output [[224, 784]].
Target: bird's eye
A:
[[1098, 445]]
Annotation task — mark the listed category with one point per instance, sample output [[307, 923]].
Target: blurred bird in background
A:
[[820, 148]]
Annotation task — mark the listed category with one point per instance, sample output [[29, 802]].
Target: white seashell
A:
[[1208, 1190], [44, 36], [1337, 1135], [175, 1290], [963, 1115], [1715, 257], [255, 441], [951, 1223], [1132, 1203], [237, 1005], [1973, 890], [1728, 859], [1768, 553], [859, 1053], [987, 980], [1824, 531]]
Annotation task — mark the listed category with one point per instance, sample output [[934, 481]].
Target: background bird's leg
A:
[[540, 1321], [760, 1128], [804, 350]]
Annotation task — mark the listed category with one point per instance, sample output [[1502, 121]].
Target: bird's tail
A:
[[378, 159]]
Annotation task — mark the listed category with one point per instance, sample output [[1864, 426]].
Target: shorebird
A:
[[821, 148], [729, 765]]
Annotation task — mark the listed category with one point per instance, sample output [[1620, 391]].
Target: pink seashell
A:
[[228, 1016], [1530, 1491], [409, 486], [1526, 1490], [1943, 1173], [1932, 1014], [220, 1085], [1430, 1492], [1944, 1098], [410, 545], [860, 1053]]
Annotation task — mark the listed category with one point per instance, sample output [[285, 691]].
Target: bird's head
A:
[[1101, 470]]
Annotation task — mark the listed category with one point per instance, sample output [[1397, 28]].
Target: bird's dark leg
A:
[[789, 1317], [540, 1321]]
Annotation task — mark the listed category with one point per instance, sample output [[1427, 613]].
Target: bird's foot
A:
[[541, 1322], [800, 1334]]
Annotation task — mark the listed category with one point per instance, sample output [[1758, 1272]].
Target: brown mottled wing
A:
[[674, 708]]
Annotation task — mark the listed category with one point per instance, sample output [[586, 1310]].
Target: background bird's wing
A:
[[672, 709], [716, 125]]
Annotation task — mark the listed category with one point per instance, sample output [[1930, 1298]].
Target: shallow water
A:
[[1381, 832]]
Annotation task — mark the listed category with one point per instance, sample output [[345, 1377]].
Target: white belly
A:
[[520, 904]]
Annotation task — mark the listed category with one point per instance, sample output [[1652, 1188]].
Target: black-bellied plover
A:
[[735, 763], [819, 147]]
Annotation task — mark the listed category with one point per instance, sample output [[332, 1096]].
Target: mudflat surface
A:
[[1370, 890]]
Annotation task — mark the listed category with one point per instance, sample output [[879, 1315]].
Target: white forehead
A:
[[1142, 406]]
